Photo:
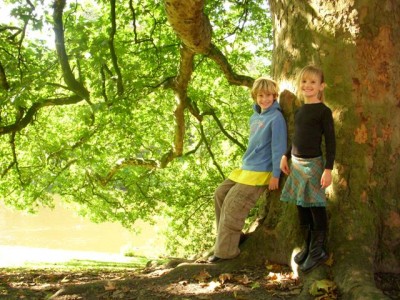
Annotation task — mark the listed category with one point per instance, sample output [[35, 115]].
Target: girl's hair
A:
[[311, 71], [264, 84]]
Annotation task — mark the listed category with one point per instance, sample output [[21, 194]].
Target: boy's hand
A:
[[284, 165], [326, 178], [273, 183]]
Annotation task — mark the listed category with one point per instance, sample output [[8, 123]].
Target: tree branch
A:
[[210, 152], [3, 78], [217, 56], [15, 160], [114, 59], [137, 40], [23, 122], [180, 88], [221, 127], [69, 77], [189, 22], [145, 163]]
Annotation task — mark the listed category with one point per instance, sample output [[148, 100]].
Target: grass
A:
[[73, 265], [136, 263], [36, 281]]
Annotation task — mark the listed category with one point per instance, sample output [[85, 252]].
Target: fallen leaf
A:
[[203, 276], [243, 279], [321, 287], [274, 268], [225, 277], [272, 276]]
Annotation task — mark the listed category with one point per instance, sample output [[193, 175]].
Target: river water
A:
[[59, 234]]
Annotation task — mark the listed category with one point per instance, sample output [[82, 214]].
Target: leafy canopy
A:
[[98, 125]]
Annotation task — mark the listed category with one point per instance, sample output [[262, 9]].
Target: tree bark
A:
[[190, 23]]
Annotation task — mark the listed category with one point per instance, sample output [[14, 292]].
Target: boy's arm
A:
[[278, 144], [273, 183]]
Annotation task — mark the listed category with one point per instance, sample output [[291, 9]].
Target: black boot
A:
[[300, 257], [316, 254]]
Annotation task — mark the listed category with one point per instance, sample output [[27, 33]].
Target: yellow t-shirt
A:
[[250, 177]]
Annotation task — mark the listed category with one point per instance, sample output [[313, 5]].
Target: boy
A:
[[260, 169]]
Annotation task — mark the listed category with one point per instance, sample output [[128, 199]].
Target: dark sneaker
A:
[[243, 238]]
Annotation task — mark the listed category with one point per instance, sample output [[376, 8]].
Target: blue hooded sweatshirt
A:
[[267, 141]]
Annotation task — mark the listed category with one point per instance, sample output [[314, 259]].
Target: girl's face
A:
[[265, 99], [311, 86]]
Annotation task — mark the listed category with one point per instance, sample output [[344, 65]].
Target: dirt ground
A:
[[267, 282]]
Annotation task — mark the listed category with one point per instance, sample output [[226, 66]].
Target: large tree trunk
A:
[[358, 47]]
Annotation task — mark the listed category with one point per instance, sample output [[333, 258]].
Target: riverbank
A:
[[20, 256]]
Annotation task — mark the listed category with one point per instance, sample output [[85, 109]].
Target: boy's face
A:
[[265, 99]]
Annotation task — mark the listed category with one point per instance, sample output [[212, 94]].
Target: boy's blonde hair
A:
[[264, 84], [311, 71]]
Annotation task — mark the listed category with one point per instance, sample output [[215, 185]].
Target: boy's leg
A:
[[219, 196], [234, 211]]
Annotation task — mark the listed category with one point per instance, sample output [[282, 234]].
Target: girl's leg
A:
[[306, 224], [317, 254], [305, 216], [235, 209], [320, 218]]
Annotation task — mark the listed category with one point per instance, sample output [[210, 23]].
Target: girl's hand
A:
[[326, 178], [284, 165], [273, 183]]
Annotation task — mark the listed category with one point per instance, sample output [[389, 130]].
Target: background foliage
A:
[[127, 126]]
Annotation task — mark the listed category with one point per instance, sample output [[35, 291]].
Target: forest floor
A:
[[151, 283]]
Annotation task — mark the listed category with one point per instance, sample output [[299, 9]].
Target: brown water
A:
[[62, 229]]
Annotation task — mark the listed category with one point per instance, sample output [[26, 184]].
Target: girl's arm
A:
[[284, 165], [326, 178], [330, 140]]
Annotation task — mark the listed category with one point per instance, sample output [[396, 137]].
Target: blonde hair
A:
[[264, 84], [311, 71]]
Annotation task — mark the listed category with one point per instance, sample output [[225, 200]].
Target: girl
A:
[[260, 169], [308, 174]]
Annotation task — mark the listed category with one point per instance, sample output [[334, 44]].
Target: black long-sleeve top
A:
[[311, 122]]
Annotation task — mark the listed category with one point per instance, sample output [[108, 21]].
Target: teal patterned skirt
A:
[[303, 186]]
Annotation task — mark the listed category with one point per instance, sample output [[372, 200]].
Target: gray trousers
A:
[[233, 202]]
